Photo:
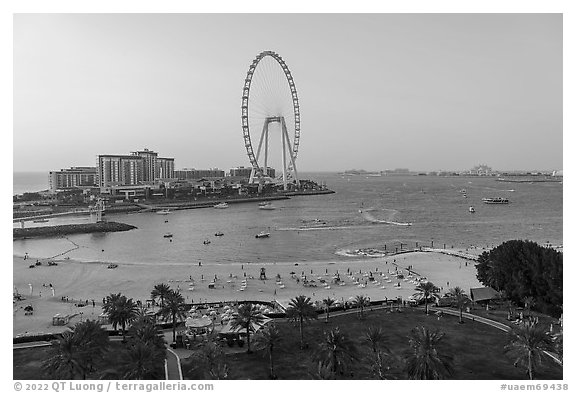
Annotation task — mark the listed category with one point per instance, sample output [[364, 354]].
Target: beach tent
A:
[[198, 323]]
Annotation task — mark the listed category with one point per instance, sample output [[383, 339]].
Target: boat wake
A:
[[362, 252], [322, 228], [368, 216]]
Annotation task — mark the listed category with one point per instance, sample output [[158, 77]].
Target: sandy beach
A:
[[82, 281]]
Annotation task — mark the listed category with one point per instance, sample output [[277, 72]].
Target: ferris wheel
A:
[[269, 103]]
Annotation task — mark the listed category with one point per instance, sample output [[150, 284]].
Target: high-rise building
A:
[[155, 167], [165, 168], [81, 176], [120, 170]]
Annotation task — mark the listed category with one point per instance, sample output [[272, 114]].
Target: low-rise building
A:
[[190, 174], [74, 177]]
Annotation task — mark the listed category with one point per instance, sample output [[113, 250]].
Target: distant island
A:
[[349, 172]]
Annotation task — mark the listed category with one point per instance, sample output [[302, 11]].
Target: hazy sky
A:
[[377, 91]]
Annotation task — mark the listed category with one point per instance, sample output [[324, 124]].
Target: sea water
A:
[[29, 182], [365, 212]]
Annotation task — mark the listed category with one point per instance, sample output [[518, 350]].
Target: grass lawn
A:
[[477, 349], [28, 361]]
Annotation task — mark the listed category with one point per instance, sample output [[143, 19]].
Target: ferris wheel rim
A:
[[246, 100]]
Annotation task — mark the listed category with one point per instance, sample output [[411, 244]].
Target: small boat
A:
[[262, 235], [112, 266], [496, 201], [168, 235], [219, 234], [266, 206], [163, 212], [41, 220], [463, 191], [471, 209], [207, 242], [222, 205]]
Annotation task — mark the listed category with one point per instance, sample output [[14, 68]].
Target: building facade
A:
[[66, 179], [139, 167], [246, 171], [120, 170], [165, 168], [155, 167], [193, 174]]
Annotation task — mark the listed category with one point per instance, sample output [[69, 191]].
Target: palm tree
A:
[[361, 301], [65, 360], [174, 309], [160, 291], [321, 371], [300, 309], [424, 361], [143, 315], [559, 345], [147, 332], [121, 311], [428, 291], [374, 337], [328, 302], [529, 302], [510, 306], [268, 340], [141, 361], [247, 316], [461, 299], [92, 341], [210, 361], [528, 344], [336, 352]]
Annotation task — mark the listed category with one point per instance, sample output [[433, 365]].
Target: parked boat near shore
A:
[[222, 205], [496, 201]]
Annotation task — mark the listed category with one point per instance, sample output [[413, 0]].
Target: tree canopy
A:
[[522, 269]]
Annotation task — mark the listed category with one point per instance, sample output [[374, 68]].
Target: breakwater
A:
[[62, 230], [309, 192], [203, 203]]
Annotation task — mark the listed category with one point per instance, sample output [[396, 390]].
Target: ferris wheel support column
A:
[[264, 132], [292, 160], [266, 153], [284, 177]]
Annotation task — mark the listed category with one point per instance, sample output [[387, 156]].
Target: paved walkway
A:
[[173, 367]]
